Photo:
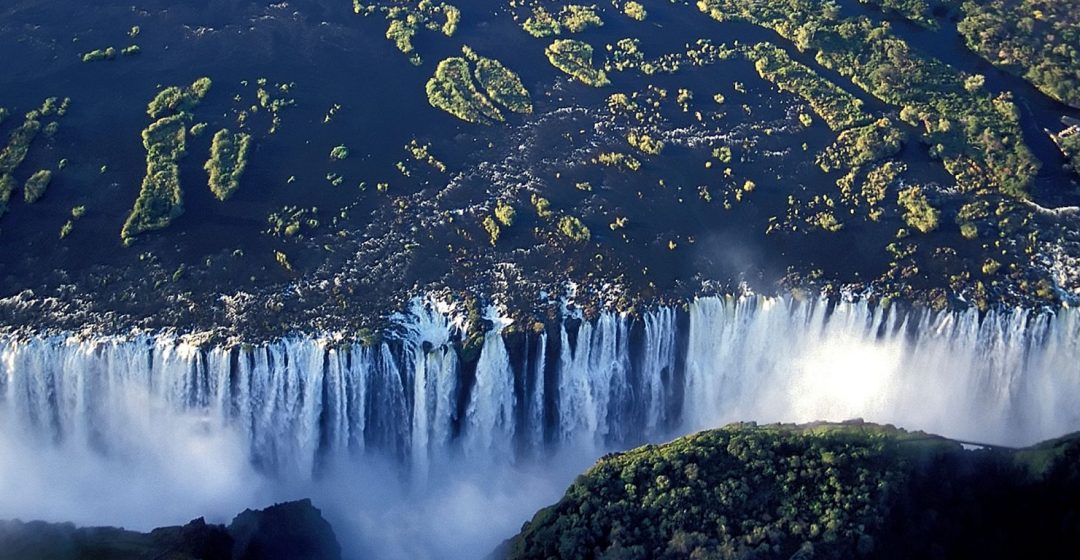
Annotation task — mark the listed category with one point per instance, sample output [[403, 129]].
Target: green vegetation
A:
[[645, 143], [573, 229], [492, 229], [423, 153], [454, 90], [918, 213], [401, 32], [1036, 39], [574, 18], [271, 104], [838, 108], [14, 152], [18, 145], [635, 10], [505, 213], [542, 206], [291, 221], [453, 18], [283, 260], [977, 136], [7, 187], [1069, 141], [832, 491], [862, 145], [618, 159], [501, 84], [878, 181], [95, 55], [918, 11], [228, 159], [541, 24], [408, 17], [175, 99], [131, 50], [160, 198], [575, 58], [339, 153], [76, 213], [35, 186]]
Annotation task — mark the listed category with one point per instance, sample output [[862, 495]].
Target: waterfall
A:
[[489, 420], [1009, 376]]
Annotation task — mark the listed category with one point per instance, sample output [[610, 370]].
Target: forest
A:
[[849, 490]]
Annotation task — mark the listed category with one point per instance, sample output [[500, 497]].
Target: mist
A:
[[167, 467]]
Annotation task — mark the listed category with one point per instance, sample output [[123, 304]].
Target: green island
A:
[[849, 490], [228, 159], [161, 197], [575, 58], [502, 85], [861, 145], [95, 55], [918, 213], [635, 10], [14, 153], [35, 186], [838, 108], [454, 89]]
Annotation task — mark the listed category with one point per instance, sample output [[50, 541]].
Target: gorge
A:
[[216, 423]]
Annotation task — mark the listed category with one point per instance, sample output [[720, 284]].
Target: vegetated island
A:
[[850, 490]]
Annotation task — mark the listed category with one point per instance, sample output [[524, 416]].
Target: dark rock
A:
[[288, 531]]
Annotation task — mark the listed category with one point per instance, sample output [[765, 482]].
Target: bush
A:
[[827, 491], [95, 55], [918, 213], [35, 186], [452, 89], [505, 213], [228, 159], [575, 58], [635, 10], [573, 229], [339, 153]]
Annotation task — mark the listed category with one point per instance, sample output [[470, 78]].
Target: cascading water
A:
[[292, 408]]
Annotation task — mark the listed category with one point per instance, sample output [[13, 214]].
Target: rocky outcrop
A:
[[292, 530]]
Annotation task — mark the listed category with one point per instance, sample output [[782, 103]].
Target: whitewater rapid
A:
[[301, 409]]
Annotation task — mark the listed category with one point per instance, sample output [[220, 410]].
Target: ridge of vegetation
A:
[[228, 159], [821, 490], [161, 198]]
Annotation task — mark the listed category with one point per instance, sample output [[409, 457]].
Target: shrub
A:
[[228, 159], [35, 186]]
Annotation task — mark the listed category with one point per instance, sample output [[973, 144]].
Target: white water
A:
[[152, 430]]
